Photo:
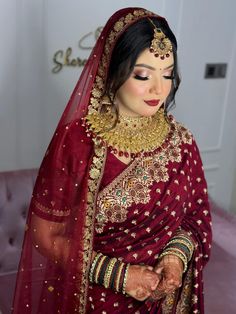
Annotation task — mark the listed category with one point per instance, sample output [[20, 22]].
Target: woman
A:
[[119, 218]]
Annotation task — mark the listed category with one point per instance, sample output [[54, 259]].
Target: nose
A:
[[156, 87]]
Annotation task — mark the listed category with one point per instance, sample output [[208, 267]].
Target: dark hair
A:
[[128, 47]]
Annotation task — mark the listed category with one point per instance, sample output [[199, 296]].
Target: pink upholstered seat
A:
[[15, 194]]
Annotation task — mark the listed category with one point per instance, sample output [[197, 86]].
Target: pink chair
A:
[[15, 194]]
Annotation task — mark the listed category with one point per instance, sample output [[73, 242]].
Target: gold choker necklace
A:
[[130, 135]]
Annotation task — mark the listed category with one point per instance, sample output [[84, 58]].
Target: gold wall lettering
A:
[[63, 58]]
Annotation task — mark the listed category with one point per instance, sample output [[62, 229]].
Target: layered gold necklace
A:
[[130, 135]]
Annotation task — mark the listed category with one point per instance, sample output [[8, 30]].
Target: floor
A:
[[220, 273]]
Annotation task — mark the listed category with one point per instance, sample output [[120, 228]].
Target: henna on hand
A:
[[141, 282], [172, 270]]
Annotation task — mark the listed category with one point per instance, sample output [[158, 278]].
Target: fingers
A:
[[142, 294], [149, 268], [172, 275], [157, 295], [151, 280], [146, 282], [158, 270], [141, 281], [171, 280]]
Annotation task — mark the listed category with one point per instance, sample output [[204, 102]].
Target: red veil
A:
[[62, 195], [53, 275]]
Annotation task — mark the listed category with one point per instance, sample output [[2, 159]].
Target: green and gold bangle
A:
[[109, 272], [180, 245], [178, 254], [92, 269]]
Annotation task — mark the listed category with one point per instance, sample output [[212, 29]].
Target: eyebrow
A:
[[150, 67]]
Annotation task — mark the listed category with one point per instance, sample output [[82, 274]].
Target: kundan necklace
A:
[[130, 135]]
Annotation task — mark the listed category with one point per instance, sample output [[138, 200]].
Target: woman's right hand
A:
[[141, 282]]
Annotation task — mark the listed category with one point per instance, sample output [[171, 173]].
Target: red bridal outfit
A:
[[87, 200]]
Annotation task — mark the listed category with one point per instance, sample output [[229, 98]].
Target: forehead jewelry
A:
[[161, 45]]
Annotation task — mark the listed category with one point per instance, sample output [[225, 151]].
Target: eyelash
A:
[[145, 78], [169, 77], [141, 78]]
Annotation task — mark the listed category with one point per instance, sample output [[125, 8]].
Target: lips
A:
[[152, 102]]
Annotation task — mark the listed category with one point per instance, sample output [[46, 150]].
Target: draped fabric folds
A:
[[144, 202]]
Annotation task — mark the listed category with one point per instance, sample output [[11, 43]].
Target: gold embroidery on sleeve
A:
[[54, 212]]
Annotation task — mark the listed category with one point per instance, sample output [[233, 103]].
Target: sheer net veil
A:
[[58, 242]]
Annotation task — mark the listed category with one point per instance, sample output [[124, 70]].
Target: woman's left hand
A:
[[171, 268], [141, 281]]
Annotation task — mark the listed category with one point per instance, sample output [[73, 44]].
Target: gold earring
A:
[[106, 104]]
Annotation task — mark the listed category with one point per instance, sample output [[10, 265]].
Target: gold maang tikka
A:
[[161, 46]]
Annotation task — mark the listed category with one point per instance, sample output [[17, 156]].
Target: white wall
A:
[[207, 34], [233, 197], [32, 98]]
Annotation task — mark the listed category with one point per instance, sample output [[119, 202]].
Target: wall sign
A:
[[66, 58]]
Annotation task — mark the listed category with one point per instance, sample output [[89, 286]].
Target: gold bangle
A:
[[110, 266], [190, 247], [93, 266], [178, 255], [184, 257], [119, 275], [125, 278], [181, 242], [99, 268], [185, 237]]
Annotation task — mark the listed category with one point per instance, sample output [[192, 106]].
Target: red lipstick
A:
[[152, 102]]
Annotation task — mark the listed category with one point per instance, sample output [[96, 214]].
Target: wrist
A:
[[172, 259], [181, 247], [109, 272]]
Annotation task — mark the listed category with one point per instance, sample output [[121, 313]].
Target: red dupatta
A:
[[146, 203], [54, 278]]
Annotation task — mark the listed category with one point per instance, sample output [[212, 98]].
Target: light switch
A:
[[215, 70]]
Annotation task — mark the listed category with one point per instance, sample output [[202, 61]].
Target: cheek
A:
[[167, 88], [132, 88]]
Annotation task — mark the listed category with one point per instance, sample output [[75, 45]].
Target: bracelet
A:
[[125, 278], [122, 276], [109, 272], [118, 277], [114, 275], [182, 235], [184, 260], [98, 268], [103, 271], [96, 258], [184, 240], [180, 245]]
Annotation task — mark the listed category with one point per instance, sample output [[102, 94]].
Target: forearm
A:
[[135, 280], [109, 272], [180, 245], [56, 248]]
